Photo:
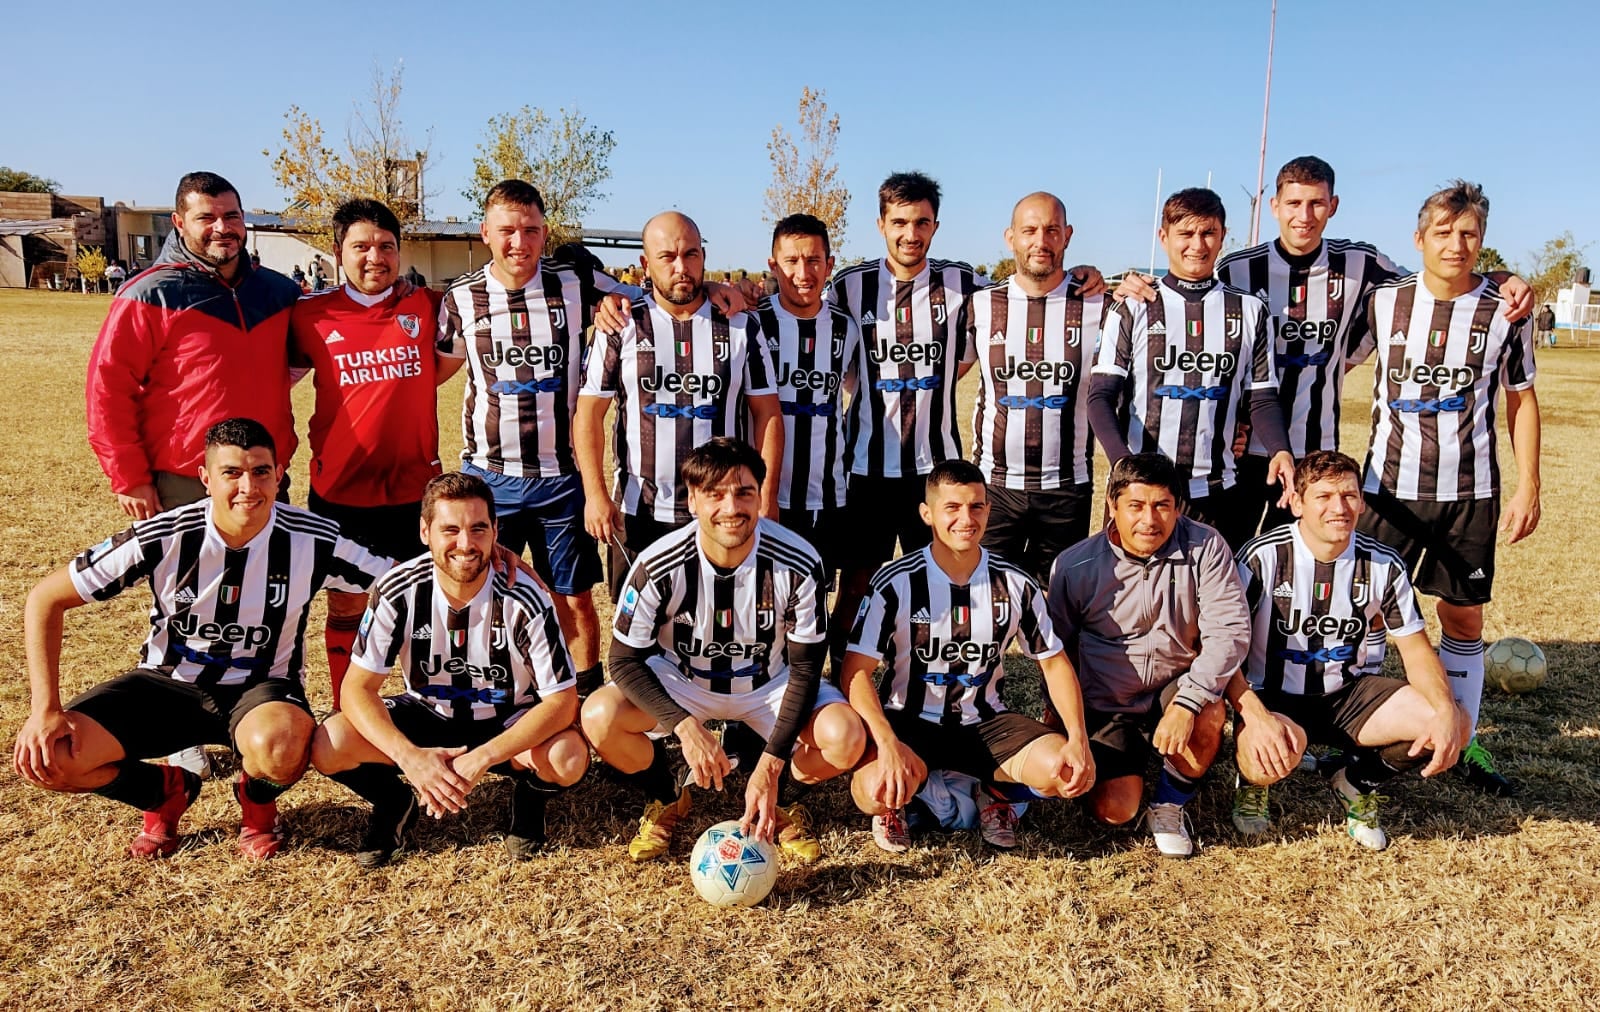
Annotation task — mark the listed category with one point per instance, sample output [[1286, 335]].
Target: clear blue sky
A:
[[1086, 101]]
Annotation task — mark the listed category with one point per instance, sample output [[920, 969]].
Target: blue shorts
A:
[[545, 516]]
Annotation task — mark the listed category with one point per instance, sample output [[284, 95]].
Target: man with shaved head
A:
[[1031, 337], [681, 373]]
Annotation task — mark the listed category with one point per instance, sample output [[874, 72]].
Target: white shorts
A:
[[758, 709]]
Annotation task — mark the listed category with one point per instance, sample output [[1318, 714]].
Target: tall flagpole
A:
[[1266, 106]]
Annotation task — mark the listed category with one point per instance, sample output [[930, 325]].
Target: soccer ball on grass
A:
[[730, 870], [1515, 664]]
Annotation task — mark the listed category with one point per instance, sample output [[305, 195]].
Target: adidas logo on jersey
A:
[[1397, 339], [483, 325], [422, 633], [997, 338], [1157, 328], [868, 319], [921, 617], [1476, 574], [184, 596], [647, 345], [334, 338], [1283, 590], [683, 618]]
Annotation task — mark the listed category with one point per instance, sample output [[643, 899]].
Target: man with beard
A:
[[1033, 336], [489, 685], [201, 336], [681, 373]]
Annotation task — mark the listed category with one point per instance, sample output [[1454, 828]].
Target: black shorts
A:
[[152, 714], [1029, 529], [977, 750], [1257, 499], [880, 511], [1120, 742], [1227, 510], [424, 727], [1448, 546], [395, 532], [1337, 718], [823, 529], [637, 534]]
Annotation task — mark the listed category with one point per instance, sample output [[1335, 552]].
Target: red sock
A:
[[340, 637]]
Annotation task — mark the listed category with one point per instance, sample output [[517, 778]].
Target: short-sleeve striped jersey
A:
[[943, 642], [1312, 302], [524, 350], [1440, 366], [725, 631], [815, 364], [1309, 619], [677, 383], [903, 417], [1190, 360], [500, 654], [1030, 426], [220, 615]]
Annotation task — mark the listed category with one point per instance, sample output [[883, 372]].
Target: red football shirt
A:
[[375, 430]]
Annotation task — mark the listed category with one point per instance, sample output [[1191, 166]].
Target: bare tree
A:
[[564, 156], [805, 175]]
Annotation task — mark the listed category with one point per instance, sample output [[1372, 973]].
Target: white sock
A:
[[1463, 663]]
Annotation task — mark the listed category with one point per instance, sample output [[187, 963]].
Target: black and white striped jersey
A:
[[815, 362], [942, 642], [1440, 366], [677, 383], [903, 417], [501, 653], [220, 615], [1030, 426], [524, 350], [1309, 620], [1191, 359], [726, 631]]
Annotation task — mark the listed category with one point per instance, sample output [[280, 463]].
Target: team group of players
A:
[[764, 455]]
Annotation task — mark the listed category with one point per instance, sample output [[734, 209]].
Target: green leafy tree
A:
[[18, 181], [1003, 269], [1553, 266], [567, 158], [1489, 259]]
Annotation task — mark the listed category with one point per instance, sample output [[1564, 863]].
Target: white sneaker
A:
[[1167, 827], [1360, 813], [192, 759]]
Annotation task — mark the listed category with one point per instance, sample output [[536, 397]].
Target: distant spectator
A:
[[116, 274], [255, 259], [1545, 324], [415, 277], [319, 276], [298, 276]]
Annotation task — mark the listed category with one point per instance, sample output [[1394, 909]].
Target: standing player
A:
[[489, 685], [232, 577], [1155, 608], [1172, 372], [815, 347], [1432, 478], [1033, 336], [939, 621], [375, 430], [724, 619], [1315, 587], [518, 322], [681, 372], [1314, 289]]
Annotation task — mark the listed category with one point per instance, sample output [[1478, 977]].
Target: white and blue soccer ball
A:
[[1515, 664], [731, 870]]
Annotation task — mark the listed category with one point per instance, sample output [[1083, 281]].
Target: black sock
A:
[[262, 791], [533, 782], [139, 784], [791, 790], [590, 679], [378, 783], [1368, 769], [656, 780]]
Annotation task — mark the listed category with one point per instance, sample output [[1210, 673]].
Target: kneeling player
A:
[[939, 620], [724, 619], [232, 577], [489, 685], [1314, 588]]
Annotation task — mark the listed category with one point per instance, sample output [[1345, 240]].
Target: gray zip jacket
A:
[[1134, 625]]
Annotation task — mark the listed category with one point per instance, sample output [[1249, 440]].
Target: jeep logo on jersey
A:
[[1314, 331], [940, 651], [1326, 626], [410, 324], [890, 351], [550, 356], [1044, 372], [1216, 362], [249, 636], [808, 379], [700, 648], [695, 384], [436, 665], [1412, 371]]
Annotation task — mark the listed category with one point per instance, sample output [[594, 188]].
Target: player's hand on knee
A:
[[1446, 735], [1174, 731], [440, 788], [35, 752], [1270, 746], [708, 764], [1076, 773], [471, 766], [903, 771]]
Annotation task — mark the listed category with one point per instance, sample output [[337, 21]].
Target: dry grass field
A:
[[1479, 902]]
